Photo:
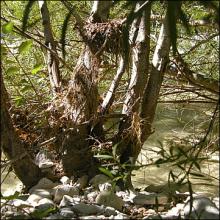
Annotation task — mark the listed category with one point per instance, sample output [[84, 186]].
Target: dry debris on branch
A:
[[104, 36]]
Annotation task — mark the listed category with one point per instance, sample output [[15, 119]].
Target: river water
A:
[[172, 123]]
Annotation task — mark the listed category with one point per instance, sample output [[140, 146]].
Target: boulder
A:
[[43, 183], [44, 193], [33, 199], [42, 160], [65, 180], [45, 204], [108, 198], [62, 190], [67, 212], [66, 201], [82, 182], [202, 208], [86, 209], [99, 179]]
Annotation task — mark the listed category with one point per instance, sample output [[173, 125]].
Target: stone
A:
[[92, 217], [65, 190], [99, 179], [82, 182], [216, 201], [46, 164], [110, 211], [65, 180], [66, 201], [121, 216], [33, 199], [43, 183], [54, 216], [44, 193], [203, 208], [108, 198], [46, 201], [87, 209], [145, 198], [45, 204], [92, 196], [42, 160], [67, 212], [20, 203], [105, 186]]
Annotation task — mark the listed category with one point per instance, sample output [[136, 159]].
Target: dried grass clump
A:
[[104, 36]]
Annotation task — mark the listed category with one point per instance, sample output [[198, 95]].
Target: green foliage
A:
[[7, 28], [41, 213], [25, 46]]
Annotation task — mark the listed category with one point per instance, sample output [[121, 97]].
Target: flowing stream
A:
[[171, 124]]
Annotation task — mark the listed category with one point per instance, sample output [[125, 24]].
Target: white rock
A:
[[86, 209], [44, 193], [92, 217], [66, 201], [99, 179], [105, 186], [46, 164], [110, 211], [67, 212], [92, 196], [42, 160], [216, 201], [46, 200], [203, 208], [43, 183], [121, 216], [65, 190], [65, 180], [108, 198], [20, 203], [33, 199]]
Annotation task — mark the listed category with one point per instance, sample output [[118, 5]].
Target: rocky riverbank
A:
[[96, 199]]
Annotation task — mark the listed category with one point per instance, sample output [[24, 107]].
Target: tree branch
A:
[[109, 98]]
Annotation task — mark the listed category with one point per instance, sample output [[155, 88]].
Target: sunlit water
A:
[[170, 124]]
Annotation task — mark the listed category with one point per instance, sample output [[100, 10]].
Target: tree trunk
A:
[[52, 61], [14, 149], [81, 105]]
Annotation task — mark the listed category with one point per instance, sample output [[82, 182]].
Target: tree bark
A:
[[14, 149], [52, 61], [151, 91], [82, 101]]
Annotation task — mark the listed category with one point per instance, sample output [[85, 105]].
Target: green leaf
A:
[[9, 61], [114, 150], [7, 28], [105, 156], [106, 172], [12, 70], [26, 88], [39, 214], [19, 100], [3, 50], [36, 69], [25, 46]]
